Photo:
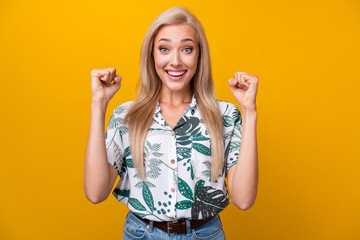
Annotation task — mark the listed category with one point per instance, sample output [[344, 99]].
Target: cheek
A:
[[159, 61], [192, 62]]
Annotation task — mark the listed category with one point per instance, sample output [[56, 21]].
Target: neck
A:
[[175, 97]]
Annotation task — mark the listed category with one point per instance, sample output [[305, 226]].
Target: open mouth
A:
[[176, 74]]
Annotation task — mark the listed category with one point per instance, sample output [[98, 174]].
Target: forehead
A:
[[176, 33]]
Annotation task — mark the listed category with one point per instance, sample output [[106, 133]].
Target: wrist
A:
[[249, 113], [96, 100], [99, 103]]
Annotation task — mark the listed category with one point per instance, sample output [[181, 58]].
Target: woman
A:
[[173, 146]]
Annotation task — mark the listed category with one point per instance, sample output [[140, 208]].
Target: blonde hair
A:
[[142, 110]]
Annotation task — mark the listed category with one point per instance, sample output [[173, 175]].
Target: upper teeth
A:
[[176, 73]]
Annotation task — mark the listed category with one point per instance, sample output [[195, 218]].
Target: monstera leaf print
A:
[[209, 201], [185, 190], [183, 153], [187, 125]]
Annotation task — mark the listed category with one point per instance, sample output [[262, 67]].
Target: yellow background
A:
[[305, 53]]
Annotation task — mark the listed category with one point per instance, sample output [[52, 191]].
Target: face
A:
[[176, 52]]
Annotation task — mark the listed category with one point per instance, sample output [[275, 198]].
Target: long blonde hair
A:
[[142, 110]]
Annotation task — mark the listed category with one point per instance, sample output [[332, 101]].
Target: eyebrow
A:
[[183, 40]]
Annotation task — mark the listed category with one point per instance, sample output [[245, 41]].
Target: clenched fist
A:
[[244, 88], [104, 84]]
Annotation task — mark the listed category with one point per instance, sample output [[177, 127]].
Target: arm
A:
[[99, 175], [243, 176]]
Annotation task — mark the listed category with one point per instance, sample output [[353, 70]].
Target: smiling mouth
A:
[[176, 74]]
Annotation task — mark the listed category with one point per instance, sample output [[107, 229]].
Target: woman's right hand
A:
[[101, 87]]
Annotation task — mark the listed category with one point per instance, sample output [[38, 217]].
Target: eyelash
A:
[[184, 48]]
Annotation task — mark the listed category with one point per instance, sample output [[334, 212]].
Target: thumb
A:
[[117, 79]]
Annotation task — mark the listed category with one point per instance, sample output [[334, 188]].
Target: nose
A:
[[176, 59]]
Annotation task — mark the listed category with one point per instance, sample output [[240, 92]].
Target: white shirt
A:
[[177, 164]]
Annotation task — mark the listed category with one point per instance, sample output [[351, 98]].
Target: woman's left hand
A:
[[244, 88]]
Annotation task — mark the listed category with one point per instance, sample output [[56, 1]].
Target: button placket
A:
[[172, 154]]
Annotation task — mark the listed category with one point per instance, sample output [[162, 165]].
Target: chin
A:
[[175, 88]]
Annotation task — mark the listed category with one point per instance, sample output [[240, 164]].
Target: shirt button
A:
[[172, 133], [173, 189], [172, 161]]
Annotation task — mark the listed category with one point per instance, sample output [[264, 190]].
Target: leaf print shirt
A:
[[177, 164]]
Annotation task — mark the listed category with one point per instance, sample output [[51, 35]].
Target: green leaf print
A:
[[209, 202], [206, 173], [117, 153], [207, 164], [198, 184], [236, 114], [157, 154], [235, 145], [183, 153], [191, 171], [185, 189], [186, 125], [153, 147], [152, 174], [119, 109], [228, 135], [155, 162], [185, 204], [142, 215], [154, 168], [125, 192], [228, 121], [199, 137], [122, 131], [136, 204], [149, 200], [202, 149], [184, 140], [127, 152], [115, 122], [141, 183], [129, 163]]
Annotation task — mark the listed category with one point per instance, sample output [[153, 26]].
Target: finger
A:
[[232, 82], [243, 80], [109, 76], [237, 81], [103, 75]]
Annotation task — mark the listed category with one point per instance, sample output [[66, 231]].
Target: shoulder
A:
[[122, 108], [228, 108]]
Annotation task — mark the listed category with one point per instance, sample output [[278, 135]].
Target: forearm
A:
[[96, 168], [245, 179]]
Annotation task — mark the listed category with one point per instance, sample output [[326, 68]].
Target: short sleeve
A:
[[113, 141], [233, 129]]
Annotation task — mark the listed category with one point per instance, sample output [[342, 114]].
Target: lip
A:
[[177, 77], [175, 70]]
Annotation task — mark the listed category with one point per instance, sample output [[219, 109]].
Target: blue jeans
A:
[[134, 228]]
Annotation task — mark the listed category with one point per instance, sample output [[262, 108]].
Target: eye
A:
[[188, 49], [163, 49]]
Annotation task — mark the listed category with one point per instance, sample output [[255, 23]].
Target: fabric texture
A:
[[177, 164]]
